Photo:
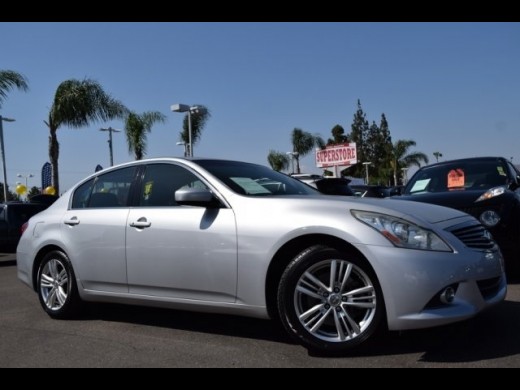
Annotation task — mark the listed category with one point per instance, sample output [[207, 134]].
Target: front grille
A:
[[489, 287], [474, 236]]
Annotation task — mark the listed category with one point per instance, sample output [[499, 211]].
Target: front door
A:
[[178, 251]]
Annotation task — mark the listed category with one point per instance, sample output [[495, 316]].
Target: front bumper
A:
[[411, 280]]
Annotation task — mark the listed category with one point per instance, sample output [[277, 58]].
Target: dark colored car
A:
[[365, 191], [334, 186], [12, 217], [486, 188]]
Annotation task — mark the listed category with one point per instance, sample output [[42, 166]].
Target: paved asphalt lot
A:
[[121, 336]]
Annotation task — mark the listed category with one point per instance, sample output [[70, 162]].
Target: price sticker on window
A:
[[456, 179]]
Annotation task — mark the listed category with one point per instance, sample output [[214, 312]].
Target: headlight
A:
[[492, 193], [490, 218], [402, 233]]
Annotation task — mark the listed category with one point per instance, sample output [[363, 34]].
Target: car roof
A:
[[465, 160]]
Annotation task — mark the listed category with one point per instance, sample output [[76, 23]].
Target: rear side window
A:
[[111, 190]]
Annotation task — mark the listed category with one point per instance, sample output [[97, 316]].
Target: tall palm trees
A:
[[137, 127], [76, 104], [304, 143], [278, 161], [9, 79], [401, 158]]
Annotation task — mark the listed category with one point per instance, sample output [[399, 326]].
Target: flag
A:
[[46, 175]]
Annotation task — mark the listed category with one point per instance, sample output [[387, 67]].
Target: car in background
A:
[[12, 217], [333, 186], [487, 188], [307, 178], [367, 191], [236, 238]]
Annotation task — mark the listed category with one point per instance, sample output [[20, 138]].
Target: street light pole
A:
[[367, 164], [26, 177], [190, 110], [110, 142], [2, 148]]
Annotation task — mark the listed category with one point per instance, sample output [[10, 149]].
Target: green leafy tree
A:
[[379, 150], [278, 161], [304, 143], [137, 127], [33, 192], [338, 136], [403, 158], [11, 196], [359, 134], [9, 79], [199, 118], [76, 104]]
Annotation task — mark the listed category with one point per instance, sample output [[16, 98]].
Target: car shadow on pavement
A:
[[218, 324], [491, 335], [7, 263]]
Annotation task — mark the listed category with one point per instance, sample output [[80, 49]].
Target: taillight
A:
[[24, 227]]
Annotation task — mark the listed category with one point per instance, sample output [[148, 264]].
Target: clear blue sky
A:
[[451, 87]]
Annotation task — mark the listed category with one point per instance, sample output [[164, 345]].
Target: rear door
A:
[[94, 230], [178, 251]]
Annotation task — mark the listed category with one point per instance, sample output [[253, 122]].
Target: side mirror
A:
[[396, 191], [196, 197]]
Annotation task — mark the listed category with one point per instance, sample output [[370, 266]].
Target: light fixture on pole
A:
[[26, 177], [110, 142], [185, 145], [293, 155], [190, 110], [367, 164], [2, 149]]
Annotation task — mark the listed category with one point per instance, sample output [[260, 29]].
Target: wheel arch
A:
[[38, 260], [288, 252]]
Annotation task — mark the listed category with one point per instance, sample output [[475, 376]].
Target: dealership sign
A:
[[337, 156]]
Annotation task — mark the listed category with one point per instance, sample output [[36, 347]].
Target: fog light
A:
[[448, 295], [490, 218]]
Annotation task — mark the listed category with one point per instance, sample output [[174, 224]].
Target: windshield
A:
[[255, 180], [478, 175]]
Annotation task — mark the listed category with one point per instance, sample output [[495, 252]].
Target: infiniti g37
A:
[[237, 238]]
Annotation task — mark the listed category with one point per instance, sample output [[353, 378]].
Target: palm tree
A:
[[304, 143], [10, 79], [437, 155], [137, 127], [76, 104], [199, 117], [278, 161], [401, 158]]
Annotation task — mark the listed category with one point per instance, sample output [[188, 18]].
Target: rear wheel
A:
[[330, 301], [57, 288]]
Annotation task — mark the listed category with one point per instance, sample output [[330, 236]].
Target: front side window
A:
[[111, 190], [161, 181]]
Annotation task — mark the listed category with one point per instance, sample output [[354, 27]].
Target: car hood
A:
[[455, 199]]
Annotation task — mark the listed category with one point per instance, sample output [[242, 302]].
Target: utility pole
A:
[[110, 142]]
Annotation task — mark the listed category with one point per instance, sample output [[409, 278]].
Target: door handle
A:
[[74, 221], [141, 223]]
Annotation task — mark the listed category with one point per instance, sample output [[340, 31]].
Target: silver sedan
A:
[[237, 238]]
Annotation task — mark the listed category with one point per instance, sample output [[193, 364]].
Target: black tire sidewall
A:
[[72, 302], [287, 286]]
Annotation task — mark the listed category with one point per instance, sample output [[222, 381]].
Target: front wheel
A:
[[330, 301], [57, 288]]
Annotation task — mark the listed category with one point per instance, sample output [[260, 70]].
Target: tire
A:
[[322, 312], [57, 287]]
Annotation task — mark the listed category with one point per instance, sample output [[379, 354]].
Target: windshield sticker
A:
[[501, 171], [420, 185], [250, 186], [456, 179]]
